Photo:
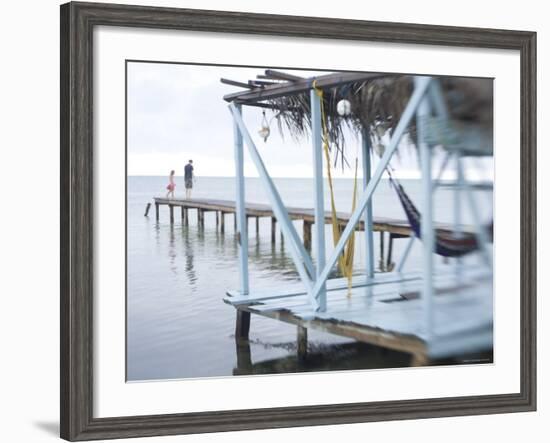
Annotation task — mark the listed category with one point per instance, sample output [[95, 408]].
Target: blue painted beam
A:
[[427, 231], [240, 210], [319, 197], [369, 241]]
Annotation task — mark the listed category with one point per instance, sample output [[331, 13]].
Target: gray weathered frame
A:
[[77, 23]]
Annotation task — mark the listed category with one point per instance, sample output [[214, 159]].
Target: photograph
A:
[[294, 219]]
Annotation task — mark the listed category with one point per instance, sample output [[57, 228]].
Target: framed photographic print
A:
[[272, 221]]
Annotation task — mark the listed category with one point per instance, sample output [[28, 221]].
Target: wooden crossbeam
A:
[[297, 87], [271, 73], [235, 83], [261, 83]]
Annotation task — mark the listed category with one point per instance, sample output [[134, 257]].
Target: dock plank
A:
[[463, 314], [380, 224]]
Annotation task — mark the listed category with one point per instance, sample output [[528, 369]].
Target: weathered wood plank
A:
[[463, 313], [380, 224]]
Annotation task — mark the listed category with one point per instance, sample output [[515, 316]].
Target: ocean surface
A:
[[177, 323]]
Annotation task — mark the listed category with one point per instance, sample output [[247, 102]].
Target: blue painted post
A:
[[427, 232], [240, 214], [301, 259], [319, 199], [481, 233], [369, 241]]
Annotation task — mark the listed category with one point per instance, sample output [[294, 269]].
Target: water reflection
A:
[[189, 259], [172, 251], [320, 357]]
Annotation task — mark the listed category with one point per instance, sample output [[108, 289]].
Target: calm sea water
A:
[[177, 323]]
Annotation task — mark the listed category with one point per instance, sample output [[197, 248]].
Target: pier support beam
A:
[[217, 219], [222, 222], [382, 253], [186, 211], [307, 235], [157, 211], [301, 343], [319, 197], [389, 261], [369, 240], [273, 229], [201, 217], [182, 214], [171, 214], [257, 225], [147, 209], [242, 325], [427, 233], [240, 209]]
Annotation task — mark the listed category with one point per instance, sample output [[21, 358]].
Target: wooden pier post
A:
[[182, 215], [147, 209], [217, 219], [301, 343], [186, 210], [235, 222], [171, 214], [200, 217], [257, 226], [381, 261], [307, 234], [389, 263], [222, 222], [273, 229], [242, 326], [157, 211]]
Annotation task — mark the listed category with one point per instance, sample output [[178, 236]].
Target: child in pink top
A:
[[171, 185]]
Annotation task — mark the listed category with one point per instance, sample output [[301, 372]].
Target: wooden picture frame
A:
[[77, 23]]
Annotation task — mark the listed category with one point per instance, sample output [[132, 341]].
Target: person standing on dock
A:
[[171, 185], [189, 176]]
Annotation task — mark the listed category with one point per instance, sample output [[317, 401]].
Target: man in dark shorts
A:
[[188, 179]]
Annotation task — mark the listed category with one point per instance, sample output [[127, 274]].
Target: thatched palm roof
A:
[[377, 102]]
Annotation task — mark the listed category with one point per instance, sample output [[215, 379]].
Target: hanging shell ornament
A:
[[264, 130], [343, 107]]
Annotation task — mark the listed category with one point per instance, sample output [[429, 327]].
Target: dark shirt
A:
[[188, 171]]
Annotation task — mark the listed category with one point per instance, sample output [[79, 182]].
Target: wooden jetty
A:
[[394, 227], [387, 311], [259, 210]]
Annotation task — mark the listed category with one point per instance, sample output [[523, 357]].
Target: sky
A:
[[176, 112]]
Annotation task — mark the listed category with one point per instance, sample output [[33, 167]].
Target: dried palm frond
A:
[[377, 105]]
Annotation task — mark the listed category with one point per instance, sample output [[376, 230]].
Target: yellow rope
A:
[[345, 261]]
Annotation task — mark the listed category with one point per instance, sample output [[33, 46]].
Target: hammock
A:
[[446, 242]]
